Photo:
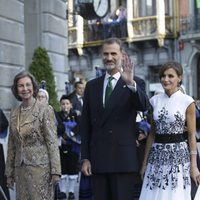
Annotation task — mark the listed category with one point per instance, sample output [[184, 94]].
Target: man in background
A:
[[77, 97], [3, 133]]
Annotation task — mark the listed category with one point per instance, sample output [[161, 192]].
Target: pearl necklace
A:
[[23, 109], [26, 108]]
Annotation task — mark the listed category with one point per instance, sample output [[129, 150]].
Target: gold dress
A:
[[33, 154]]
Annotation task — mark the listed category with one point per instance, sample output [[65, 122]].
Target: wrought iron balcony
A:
[[145, 28], [137, 29], [189, 25]]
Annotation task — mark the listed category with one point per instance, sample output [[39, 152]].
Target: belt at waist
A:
[[169, 138]]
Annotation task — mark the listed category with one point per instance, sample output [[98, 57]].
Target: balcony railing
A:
[[138, 29], [147, 27], [144, 26], [189, 25]]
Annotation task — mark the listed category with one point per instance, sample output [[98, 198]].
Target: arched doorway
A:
[[193, 76]]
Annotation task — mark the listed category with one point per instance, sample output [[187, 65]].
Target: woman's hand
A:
[[86, 168], [195, 174], [10, 183], [54, 179]]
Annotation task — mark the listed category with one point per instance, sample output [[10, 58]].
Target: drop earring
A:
[[179, 83]]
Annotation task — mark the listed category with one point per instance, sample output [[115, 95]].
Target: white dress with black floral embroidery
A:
[[167, 176]]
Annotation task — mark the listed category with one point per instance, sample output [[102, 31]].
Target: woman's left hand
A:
[[195, 174], [54, 179]]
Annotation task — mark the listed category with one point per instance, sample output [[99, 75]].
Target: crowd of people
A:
[[112, 25], [106, 133]]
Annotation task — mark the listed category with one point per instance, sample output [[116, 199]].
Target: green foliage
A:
[[41, 68]]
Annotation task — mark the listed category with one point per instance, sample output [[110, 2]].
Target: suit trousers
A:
[[114, 186]]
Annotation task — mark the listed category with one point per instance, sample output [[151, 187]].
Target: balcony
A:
[[146, 28], [137, 29], [189, 25]]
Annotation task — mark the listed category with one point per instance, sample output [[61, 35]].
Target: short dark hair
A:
[[77, 83], [113, 41], [171, 64], [65, 96], [20, 75]]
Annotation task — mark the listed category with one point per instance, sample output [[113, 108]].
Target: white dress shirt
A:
[[80, 98], [116, 77]]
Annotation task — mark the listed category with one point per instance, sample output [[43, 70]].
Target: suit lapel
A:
[[115, 98], [116, 94], [30, 116], [78, 101], [15, 118], [99, 92]]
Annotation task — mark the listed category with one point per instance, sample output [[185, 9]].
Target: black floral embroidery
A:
[[166, 161], [164, 126]]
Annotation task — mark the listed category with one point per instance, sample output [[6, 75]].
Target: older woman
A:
[[43, 96], [33, 161]]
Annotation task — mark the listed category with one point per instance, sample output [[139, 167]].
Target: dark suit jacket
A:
[[3, 128], [109, 134], [140, 82], [76, 103], [3, 121]]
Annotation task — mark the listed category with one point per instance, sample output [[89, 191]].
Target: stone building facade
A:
[[25, 25], [157, 31]]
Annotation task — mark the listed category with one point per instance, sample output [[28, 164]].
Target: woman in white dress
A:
[[169, 160]]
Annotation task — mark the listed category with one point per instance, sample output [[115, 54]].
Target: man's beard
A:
[[109, 66], [112, 66]]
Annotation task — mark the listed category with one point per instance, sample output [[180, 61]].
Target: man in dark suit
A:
[[3, 133], [108, 126], [77, 97]]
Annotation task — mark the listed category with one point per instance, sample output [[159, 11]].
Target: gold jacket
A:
[[33, 139]]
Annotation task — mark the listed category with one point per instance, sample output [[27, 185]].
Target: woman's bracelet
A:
[[193, 152], [195, 170]]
